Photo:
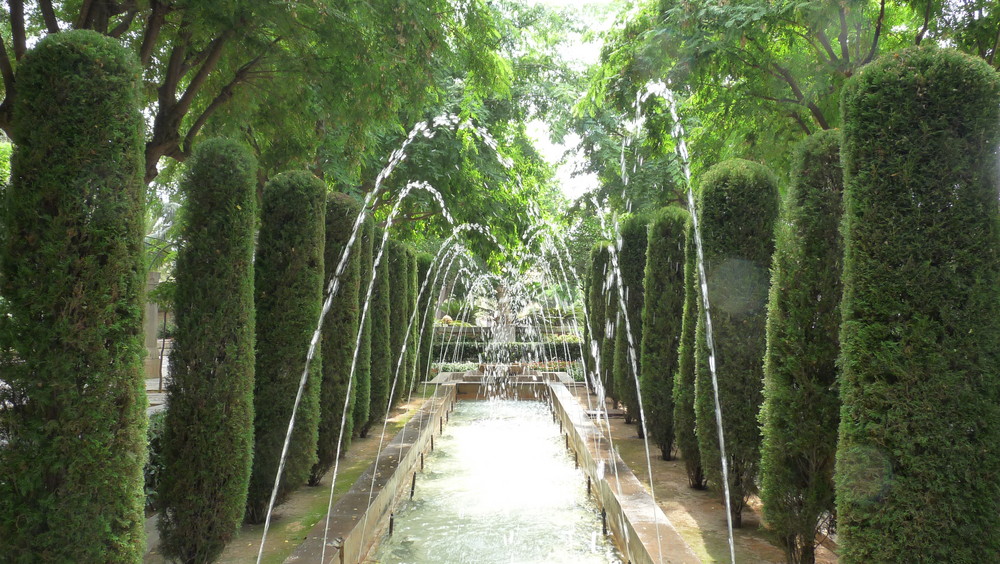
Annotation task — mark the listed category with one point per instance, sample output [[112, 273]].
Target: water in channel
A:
[[500, 487]]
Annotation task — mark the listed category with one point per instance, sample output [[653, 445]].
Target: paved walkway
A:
[[158, 397]]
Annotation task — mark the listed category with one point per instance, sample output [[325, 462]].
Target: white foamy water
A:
[[500, 487]]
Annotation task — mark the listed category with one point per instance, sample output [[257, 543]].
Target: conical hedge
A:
[[801, 406], [425, 318], [206, 466], [596, 310], [363, 364], [396, 253], [340, 330], [919, 448], [684, 379], [661, 322], [632, 263], [738, 205], [381, 363], [71, 484], [289, 295]]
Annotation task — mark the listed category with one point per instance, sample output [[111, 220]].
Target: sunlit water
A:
[[500, 486]]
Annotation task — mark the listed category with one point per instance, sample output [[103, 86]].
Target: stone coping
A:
[[640, 529]]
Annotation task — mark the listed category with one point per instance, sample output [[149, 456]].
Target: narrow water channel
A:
[[500, 487]]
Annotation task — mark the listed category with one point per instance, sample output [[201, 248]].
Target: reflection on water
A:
[[499, 487]]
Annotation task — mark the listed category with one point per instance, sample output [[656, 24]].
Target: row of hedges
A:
[[73, 423], [899, 316]]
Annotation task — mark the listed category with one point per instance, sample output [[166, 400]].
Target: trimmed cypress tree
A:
[[289, 296], [381, 364], [738, 205], [203, 488], [661, 322], [632, 262], [801, 408], [684, 380], [72, 272], [426, 327], [340, 330], [596, 309], [919, 450], [396, 253], [612, 322], [411, 307], [800, 412], [363, 365]]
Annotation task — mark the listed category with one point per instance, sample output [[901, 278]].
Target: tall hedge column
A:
[[632, 263], [340, 330], [381, 365], [412, 284], [684, 380], [396, 253], [919, 450], [596, 308], [738, 206], [363, 365], [203, 489], [661, 322], [289, 291], [424, 317], [801, 407], [71, 485]]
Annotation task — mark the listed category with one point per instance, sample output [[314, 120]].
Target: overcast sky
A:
[[585, 53]]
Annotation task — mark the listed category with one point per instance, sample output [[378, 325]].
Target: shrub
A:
[[738, 204], [413, 321], [425, 317], [396, 252], [661, 322], [152, 472], [381, 364], [72, 280], [340, 330], [289, 295], [684, 379], [363, 364], [919, 450], [632, 263], [207, 464], [800, 412]]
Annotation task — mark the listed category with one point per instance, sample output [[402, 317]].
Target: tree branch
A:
[[152, 32], [49, 15], [926, 26], [845, 52], [224, 95], [215, 53], [817, 114], [415, 217], [825, 42], [801, 122], [6, 70], [17, 36], [878, 32], [123, 25]]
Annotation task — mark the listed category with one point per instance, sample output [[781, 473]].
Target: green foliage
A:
[[684, 380], [632, 262], [152, 472], [801, 406], [381, 352], [340, 330], [920, 339], [72, 282], [661, 322], [596, 309], [424, 316], [738, 206], [412, 319], [289, 295], [363, 365], [396, 254], [208, 435]]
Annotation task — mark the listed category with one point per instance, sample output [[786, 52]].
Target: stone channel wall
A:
[[640, 529], [354, 524]]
